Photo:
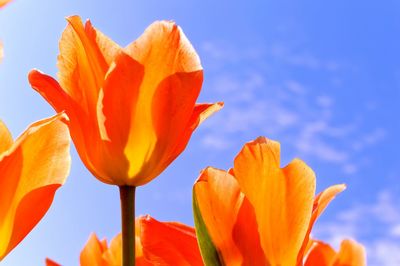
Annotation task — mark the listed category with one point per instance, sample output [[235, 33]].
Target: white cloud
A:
[[384, 253], [259, 103], [361, 222]]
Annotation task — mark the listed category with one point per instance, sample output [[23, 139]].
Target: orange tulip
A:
[[99, 253], [157, 243], [32, 168], [258, 213], [132, 110], [350, 254]]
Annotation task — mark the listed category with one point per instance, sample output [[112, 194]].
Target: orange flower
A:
[[350, 254], [32, 168], [132, 110], [157, 243], [258, 213]]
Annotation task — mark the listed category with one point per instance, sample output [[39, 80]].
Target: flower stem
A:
[[127, 196]]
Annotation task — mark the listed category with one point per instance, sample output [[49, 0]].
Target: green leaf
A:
[[208, 251]]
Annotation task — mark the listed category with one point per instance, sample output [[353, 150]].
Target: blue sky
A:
[[323, 78]]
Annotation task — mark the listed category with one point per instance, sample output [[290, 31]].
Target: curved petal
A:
[[219, 200], [320, 254], [351, 253], [321, 201], [35, 166], [81, 64], [229, 218], [83, 131], [169, 243], [282, 198]]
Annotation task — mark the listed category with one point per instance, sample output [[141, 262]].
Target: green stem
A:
[[127, 195]]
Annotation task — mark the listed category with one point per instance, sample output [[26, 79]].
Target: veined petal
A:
[[169, 243], [351, 253], [34, 167], [282, 198], [81, 64]]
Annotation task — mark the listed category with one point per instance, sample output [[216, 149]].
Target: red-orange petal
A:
[[32, 169], [169, 243], [116, 108], [351, 253], [50, 262], [282, 198]]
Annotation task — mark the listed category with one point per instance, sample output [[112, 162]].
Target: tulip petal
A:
[[81, 65], [217, 196], [169, 243], [164, 41], [228, 217], [245, 234], [84, 130], [200, 113], [32, 170], [321, 201], [282, 198], [50, 262], [113, 254], [208, 250], [320, 254], [351, 253], [120, 93], [92, 253], [167, 97], [5, 138]]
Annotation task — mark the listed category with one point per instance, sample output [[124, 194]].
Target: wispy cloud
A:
[[363, 222], [261, 100]]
